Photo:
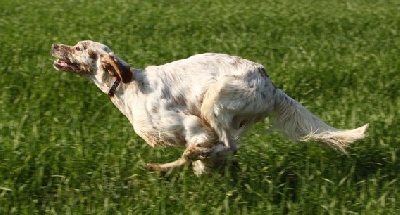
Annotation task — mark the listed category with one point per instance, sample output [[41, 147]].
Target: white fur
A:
[[298, 124], [205, 103]]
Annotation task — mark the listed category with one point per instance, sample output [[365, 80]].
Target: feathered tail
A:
[[299, 124]]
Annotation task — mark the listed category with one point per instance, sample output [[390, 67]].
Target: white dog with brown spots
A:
[[203, 103]]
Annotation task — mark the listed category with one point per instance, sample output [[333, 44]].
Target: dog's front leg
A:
[[205, 160], [191, 154], [199, 156], [166, 166], [195, 152]]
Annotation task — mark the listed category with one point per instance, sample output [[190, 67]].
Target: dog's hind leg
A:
[[219, 105]]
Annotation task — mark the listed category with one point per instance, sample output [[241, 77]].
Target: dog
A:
[[203, 103]]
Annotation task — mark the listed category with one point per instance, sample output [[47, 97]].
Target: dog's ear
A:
[[124, 71], [116, 68]]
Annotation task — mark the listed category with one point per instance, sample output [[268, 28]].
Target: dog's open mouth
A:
[[65, 65]]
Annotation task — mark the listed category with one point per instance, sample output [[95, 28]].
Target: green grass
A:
[[64, 148]]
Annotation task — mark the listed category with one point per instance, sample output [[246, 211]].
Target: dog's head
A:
[[90, 59]]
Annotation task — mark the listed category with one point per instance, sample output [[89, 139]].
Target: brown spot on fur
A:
[[92, 54]]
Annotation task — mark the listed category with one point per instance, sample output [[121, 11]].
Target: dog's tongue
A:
[[62, 65]]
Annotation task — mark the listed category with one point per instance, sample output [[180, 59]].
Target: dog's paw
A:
[[200, 167], [197, 153]]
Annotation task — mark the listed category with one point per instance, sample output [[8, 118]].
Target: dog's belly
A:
[[159, 125], [162, 125], [162, 138]]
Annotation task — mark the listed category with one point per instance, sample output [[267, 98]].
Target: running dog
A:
[[203, 103]]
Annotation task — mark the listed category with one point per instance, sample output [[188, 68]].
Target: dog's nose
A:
[[55, 46]]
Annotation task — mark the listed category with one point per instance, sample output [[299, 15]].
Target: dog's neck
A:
[[112, 85], [120, 91]]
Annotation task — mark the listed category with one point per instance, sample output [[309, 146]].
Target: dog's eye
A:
[[78, 48]]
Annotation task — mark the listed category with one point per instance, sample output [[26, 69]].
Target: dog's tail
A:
[[297, 123]]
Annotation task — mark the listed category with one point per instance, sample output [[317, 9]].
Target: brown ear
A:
[[116, 68], [124, 72]]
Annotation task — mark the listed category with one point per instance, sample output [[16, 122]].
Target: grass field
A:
[[64, 148]]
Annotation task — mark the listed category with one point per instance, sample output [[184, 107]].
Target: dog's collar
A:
[[116, 83], [113, 88]]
